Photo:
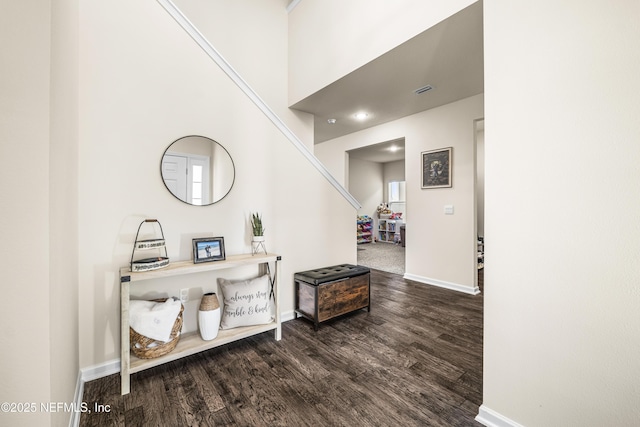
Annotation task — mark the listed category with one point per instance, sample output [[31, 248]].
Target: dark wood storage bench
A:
[[329, 292]]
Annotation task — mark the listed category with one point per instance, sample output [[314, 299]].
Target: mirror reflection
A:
[[197, 170]]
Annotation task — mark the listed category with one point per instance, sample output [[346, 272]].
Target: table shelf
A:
[[191, 343]]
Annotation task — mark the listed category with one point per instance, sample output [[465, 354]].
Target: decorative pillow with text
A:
[[246, 302]]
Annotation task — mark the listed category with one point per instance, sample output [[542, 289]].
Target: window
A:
[[397, 191], [196, 185]]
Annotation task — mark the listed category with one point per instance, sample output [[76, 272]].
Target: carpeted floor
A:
[[387, 257]]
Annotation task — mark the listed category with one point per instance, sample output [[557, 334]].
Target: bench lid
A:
[[330, 274]]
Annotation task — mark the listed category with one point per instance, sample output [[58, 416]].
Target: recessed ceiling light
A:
[[361, 116], [393, 148], [331, 121]]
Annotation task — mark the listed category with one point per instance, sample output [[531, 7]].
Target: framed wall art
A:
[[208, 249], [436, 168]]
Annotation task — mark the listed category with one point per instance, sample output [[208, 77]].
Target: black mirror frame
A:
[[214, 141]]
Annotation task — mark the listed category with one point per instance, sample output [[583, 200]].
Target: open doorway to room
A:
[[377, 180], [479, 199]]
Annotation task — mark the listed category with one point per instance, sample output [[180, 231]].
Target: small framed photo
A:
[[436, 168], [208, 249]]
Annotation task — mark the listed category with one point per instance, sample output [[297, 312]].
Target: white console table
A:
[[191, 343]]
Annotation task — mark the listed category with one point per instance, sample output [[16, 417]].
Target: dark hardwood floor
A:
[[414, 360]]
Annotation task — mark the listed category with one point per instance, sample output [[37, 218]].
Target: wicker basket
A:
[[148, 348]]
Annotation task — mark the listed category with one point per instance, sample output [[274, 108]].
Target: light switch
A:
[[448, 209]]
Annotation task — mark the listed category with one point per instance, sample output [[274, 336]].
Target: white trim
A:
[[253, 96], [74, 421], [491, 418], [89, 374], [442, 284], [289, 315], [98, 371], [292, 5]]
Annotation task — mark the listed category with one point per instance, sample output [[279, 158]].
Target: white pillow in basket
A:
[[245, 302]]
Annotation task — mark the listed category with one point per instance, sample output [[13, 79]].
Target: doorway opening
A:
[[376, 177], [479, 199]]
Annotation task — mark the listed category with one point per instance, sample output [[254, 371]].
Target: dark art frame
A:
[[436, 168], [212, 241]]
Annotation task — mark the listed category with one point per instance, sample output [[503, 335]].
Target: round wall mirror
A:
[[197, 170]]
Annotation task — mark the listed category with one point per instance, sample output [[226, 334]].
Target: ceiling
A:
[[383, 152], [448, 56]]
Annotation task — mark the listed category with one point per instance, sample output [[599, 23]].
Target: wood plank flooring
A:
[[414, 360]]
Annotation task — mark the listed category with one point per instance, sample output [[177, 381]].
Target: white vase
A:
[[257, 243], [209, 317]]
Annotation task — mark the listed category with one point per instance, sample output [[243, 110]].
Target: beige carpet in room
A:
[[387, 257]]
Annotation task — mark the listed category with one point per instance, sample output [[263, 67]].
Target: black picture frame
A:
[[206, 249], [436, 168]]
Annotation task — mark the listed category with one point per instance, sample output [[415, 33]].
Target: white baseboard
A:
[[89, 374], [442, 284], [98, 371], [491, 418], [285, 317], [74, 421]]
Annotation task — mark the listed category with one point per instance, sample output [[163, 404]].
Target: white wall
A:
[[243, 32], [562, 330], [344, 36], [63, 218], [89, 111], [142, 87], [366, 184], [137, 92], [25, 38], [441, 249]]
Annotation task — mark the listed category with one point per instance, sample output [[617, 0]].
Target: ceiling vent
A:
[[423, 89]]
